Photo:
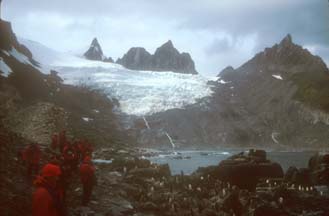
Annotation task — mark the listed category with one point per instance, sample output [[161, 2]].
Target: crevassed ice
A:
[[139, 92]]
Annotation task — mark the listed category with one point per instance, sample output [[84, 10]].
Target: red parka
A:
[[46, 199], [54, 142], [32, 154], [87, 173]]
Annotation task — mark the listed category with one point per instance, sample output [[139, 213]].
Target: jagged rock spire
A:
[[287, 40], [95, 51]]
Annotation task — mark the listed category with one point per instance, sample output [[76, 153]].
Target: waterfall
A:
[[171, 142], [146, 123], [274, 137]]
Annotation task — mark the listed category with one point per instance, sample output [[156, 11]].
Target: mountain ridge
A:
[[275, 100]]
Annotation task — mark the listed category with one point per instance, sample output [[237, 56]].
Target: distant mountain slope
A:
[[278, 99]]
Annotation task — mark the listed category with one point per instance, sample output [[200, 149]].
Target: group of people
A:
[[52, 181]]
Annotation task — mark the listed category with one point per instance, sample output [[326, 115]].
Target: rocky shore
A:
[[129, 185]]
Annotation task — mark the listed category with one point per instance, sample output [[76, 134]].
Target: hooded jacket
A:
[[46, 199]]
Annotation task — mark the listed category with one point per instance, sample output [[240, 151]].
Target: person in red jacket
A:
[[69, 155], [54, 142], [32, 156], [62, 140], [47, 200], [87, 177]]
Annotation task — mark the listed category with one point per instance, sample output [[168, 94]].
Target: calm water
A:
[[189, 161]]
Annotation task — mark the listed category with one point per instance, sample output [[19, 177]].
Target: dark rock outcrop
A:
[[319, 169], [8, 41], [245, 171], [109, 59], [165, 58], [137, 58], [95, 51]]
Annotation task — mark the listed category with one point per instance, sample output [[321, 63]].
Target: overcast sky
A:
[[216, 33]]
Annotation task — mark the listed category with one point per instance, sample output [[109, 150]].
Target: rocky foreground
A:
[[129, 185]]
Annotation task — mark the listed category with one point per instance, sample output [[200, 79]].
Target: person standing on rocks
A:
[[62, 140], [54, 142], [88, 179], [31, 156], [47, 200], [69, 155]]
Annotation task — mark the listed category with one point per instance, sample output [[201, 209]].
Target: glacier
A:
[[139, 93]]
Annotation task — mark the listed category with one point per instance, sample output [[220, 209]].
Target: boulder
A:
[[148, 172], [246, 170], [319, 169]]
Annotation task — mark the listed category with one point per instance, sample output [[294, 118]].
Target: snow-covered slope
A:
[[139, 92]]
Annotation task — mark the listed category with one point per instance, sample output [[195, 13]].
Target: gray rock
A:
[[167, 58], [137, 58]]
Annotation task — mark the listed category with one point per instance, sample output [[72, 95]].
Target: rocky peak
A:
[[167, 49], [286, 56], [286, 41], [137, 58], [226, 70], [165, 58], [168, 44], [95, 51]]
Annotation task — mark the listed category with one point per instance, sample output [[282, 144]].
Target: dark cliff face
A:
[[275, 100], [8, 41], [165, 58], [95, 51]]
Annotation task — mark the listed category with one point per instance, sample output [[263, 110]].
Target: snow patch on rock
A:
[[4, 68], [279, 77]]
